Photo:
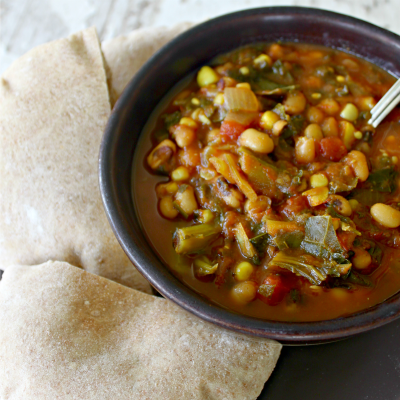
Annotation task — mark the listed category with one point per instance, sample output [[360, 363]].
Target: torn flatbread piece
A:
[[125, 54], [54, 105], [68, 334]]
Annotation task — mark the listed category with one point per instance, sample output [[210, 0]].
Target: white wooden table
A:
[[27, 23]]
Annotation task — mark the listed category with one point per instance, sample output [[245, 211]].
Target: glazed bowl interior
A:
[[182, 56]]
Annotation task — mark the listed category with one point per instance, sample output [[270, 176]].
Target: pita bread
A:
[[125, 55], [54, 105], [68, 334]]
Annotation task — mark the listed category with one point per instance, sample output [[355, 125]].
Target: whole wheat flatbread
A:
[[68, 334], [125, 55], [54, 105]]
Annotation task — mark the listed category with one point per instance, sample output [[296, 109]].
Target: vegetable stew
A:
[[264, 188]]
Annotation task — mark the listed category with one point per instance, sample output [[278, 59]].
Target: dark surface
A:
[[182, 56], [363, 367]]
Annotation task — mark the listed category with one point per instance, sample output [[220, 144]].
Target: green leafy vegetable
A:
[[281, 74], [338, 186], [369, 197], [289, 240], [320, 239], [295, 296], [315, 269], [383, 180], [359, 279], [161, 135], [294, 127], [171, 119], [261, 82], [260, 242], [376, 253], [333, 213]]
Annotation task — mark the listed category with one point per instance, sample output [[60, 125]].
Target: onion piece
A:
[[240, 99], [242, 118]]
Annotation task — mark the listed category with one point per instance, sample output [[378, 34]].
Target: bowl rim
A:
[[173, 289]]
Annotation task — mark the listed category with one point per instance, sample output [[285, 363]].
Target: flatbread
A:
[[125, 54], [54, 105], [68, 334]]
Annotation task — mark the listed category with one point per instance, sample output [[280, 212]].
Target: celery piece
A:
[[180, 210], [245, 245], [203, 266], [193, 238], [240, 181]]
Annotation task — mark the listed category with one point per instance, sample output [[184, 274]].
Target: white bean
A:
[[385, 215], [256, 141]]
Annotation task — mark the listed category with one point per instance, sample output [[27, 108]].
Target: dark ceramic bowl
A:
[[182, 56]]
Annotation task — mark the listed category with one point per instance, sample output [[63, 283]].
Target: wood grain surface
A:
[[28, 23]]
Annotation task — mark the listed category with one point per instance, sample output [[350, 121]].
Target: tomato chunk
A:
[[232, 129], [274, 290], [331, 148], [294, 206]]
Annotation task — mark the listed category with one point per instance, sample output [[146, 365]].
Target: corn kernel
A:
[[395, 160], [195, 101], [317, 196], [196, 113], [204, 119], [347, 133], [206, 76], [205, 216], [244, 85], [243, 271], [358, 135], [316, 96], [340, 78], [219, 99], [366, 103], [188, 122], [353, 204], [349, 112], [318, 180], [268, 119], [262, 61], [171, 187], [180, 174], [244, 70]]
